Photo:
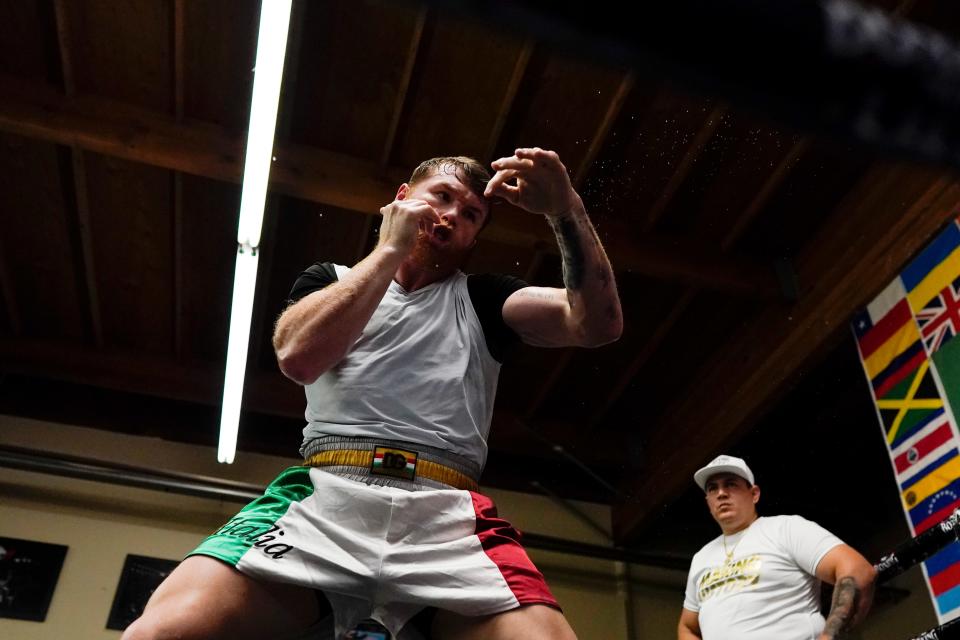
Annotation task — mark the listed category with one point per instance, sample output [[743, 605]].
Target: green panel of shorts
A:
[[256, 524]]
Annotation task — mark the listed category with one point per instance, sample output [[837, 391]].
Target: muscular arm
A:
[[587, 311], [853, 579], [689, 626], [314, 334]]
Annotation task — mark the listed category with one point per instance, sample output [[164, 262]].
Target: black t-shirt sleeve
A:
[[488, 292], [316, 277]]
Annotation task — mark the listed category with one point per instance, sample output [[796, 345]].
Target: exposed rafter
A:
[[579, 177], [177, 235], [506, 105], [863, 246], [126, 132], [79, 174], [683, 167], [413, 51]]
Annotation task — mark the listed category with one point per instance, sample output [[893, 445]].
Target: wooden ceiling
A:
[[741, 247]]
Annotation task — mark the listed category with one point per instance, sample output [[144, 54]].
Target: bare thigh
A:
[[531, 622], [205, 598]]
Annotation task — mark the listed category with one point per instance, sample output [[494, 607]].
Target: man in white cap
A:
[[760, 579]]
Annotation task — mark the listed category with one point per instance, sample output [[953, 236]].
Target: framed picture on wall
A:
[[28, 577], [138, 580]]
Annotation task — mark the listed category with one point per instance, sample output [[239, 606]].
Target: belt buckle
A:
[[393, 462]]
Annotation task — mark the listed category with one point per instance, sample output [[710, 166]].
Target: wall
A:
[[101, 523]]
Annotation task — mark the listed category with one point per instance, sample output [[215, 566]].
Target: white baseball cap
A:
[[723, 464]]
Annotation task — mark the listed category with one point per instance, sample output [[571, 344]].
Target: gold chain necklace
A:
[[729, 554]]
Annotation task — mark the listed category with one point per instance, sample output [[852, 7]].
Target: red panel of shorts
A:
[[501, 543]]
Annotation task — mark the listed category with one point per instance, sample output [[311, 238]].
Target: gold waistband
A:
[[364, 458]]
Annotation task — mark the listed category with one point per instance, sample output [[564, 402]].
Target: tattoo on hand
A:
[[846, 597], [571, 248]]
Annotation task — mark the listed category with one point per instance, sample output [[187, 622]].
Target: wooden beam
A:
[[177, 232], [650, 346], [695, 263], [545, 387], [79, 171], [506, 104], [684, 166], [9, 297], [178, 59], [63, 42], [413, 50], [889, 216], [763, 196], [130, 133], [177, 285], [158, 376], [579, 176], [680, 306], [600, 136]]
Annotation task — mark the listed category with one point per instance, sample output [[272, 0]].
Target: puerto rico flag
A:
[[905, 340]]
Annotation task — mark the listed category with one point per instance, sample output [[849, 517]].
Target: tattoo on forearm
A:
[[846, 597], [571, 248]]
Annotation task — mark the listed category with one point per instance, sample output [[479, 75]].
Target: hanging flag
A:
[[930, 443], [944, 571], [940, 320], [934, 269], [905, 340], [910, 405]]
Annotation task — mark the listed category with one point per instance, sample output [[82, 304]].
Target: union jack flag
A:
[[940, 320]]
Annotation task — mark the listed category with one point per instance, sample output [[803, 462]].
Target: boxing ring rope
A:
[[904, 557], [913, 552], [947, 631]]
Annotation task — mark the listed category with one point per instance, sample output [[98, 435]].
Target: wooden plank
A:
[[219, 53], [156, 375], [563, 104], [9, 297], [653, 343], [763, 195], [603, 129], [509, 96], [462, 74], [38, 240], [682, 170], [122, 51], [209, 209], [179, 83], [86, 264], [133, 252], [416, 38], [356, 56], [579, 175], [24, 39], [314, 175], [863, 245]]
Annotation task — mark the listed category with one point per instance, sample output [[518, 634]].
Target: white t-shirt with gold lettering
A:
[[768, 588]]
